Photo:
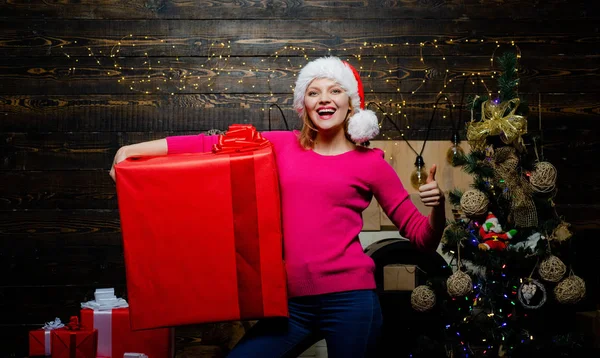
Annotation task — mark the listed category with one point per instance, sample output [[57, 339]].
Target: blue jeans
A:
[[350, 322]]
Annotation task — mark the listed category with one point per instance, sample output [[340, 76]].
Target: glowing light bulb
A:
[[419, 176], [455, 151]]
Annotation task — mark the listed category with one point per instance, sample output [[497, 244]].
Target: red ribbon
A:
[[238, 142], [240, 138], [73, 345], [73, 324], [246, 235]]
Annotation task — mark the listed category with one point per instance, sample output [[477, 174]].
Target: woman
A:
[[327, 179]]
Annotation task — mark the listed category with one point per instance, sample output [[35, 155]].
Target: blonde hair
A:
[[308, 133]]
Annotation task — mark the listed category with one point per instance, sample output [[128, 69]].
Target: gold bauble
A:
[[455, 151], [418, 177]]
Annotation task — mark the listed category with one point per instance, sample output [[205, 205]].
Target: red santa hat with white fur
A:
[[491, 218], [363, 125]]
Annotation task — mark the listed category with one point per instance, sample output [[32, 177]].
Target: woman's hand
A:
[[150, 148], [119, 157], [430, 193]]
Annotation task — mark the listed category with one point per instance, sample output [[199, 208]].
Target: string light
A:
[[169, 79], [367, 71], [219, 53]]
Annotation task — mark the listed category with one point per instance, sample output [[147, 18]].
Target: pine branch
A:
[[508, 80], [476, 165], [453, 235], [480, 184], [459, 160], [523, 108], [454, 196]]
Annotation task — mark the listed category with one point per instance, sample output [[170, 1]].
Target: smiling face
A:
[[327, 104]]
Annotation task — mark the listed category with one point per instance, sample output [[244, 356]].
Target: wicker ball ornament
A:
[[543, 177], [459, 284], [570, 290], [474, 203], [552, 269], [422, 298]]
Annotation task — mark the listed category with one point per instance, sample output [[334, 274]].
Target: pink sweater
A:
[[322, 200]]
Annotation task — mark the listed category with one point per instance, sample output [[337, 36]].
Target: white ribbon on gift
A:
[[134, 355], [48, 327], [103, 323], [105, 301]]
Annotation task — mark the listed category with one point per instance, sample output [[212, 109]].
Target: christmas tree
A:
[[513, 285]]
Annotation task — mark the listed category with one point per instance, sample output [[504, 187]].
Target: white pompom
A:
[[363, 126]]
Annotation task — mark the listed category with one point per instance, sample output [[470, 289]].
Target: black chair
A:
[[407, 332]]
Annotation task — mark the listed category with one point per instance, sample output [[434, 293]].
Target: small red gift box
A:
[[74, 342], [39, 343], [115, 337], [202, 234], [40, 339]]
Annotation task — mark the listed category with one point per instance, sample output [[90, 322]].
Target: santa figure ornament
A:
[[492, 235]]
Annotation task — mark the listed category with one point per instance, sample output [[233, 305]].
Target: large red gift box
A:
[[202, 234], [115, 337], [75, 342]]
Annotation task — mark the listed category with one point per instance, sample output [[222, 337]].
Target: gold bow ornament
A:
[[496, 121]]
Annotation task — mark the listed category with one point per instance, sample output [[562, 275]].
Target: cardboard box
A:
[[399, 277]]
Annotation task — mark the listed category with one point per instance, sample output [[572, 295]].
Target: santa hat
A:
[[363, 125], [491, 218]]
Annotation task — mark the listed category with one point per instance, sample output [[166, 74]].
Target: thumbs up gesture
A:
[[430, 192]]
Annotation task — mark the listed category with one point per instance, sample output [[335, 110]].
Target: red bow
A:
[[73, 324], [240, 138]]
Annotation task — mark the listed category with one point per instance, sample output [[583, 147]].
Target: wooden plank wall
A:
[[208, 64]]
